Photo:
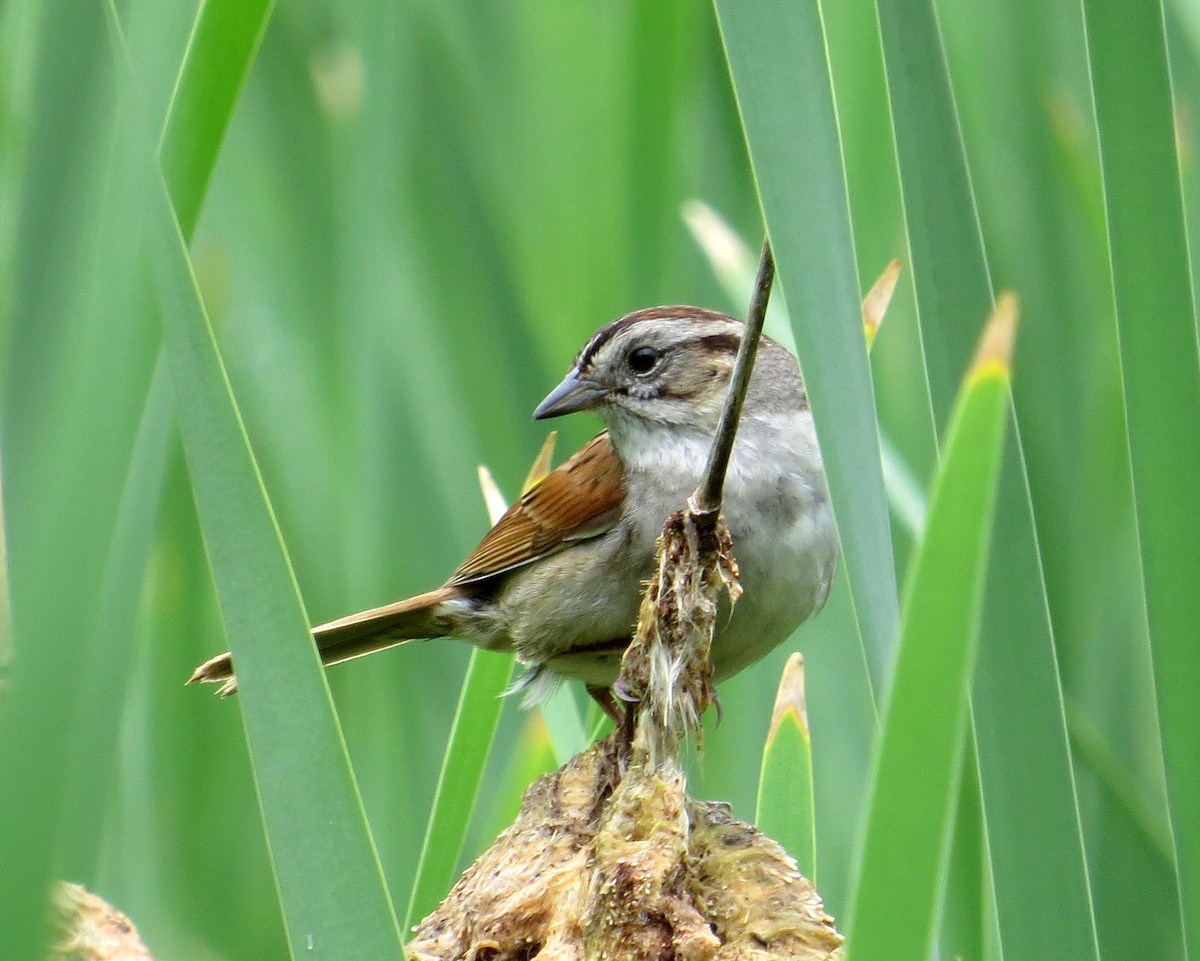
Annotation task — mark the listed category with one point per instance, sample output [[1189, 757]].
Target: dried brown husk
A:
[[92, 929], [609, 857]]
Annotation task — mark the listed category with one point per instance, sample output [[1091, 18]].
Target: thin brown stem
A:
[[707, 498]]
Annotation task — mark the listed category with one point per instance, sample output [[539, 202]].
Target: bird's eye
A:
[[643, 359]]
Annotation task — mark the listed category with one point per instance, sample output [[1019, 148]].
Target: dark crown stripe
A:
[[678, 312]]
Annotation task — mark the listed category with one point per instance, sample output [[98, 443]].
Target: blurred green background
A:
[[420, 211]]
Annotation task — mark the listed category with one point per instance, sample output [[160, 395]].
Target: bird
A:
[[558, 580]]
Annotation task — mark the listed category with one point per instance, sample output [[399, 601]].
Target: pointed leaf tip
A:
[[493, 500], [726, 251], [790, 700], [496, 505], [875, 304], [541, 463], [994, 354]]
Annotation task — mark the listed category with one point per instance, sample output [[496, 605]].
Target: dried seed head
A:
[[596, 867]]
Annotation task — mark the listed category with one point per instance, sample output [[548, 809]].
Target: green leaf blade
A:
[[330, 883], [221, 49], [776, 53], [471, 738], [785, 809], [1155, 310], [1030, 807], [326, 836], [79, 211], [919, 754]]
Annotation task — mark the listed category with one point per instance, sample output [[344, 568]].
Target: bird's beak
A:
[[573, 394]]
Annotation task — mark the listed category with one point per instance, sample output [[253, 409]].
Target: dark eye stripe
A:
[[721, 343]]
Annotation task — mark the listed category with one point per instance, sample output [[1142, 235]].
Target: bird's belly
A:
[[786, 573], [575, 613]]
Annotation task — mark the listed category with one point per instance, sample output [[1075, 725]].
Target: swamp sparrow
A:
[[559, 579]]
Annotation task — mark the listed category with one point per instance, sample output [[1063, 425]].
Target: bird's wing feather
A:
[[580, 499]]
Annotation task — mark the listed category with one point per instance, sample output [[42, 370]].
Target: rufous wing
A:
[[580, 499]]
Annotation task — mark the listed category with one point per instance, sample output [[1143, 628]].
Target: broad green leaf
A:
[[1030, 809], [329, 878], [1156, 324], [785, 783], [776, 53], [327, 837], [919, 754]]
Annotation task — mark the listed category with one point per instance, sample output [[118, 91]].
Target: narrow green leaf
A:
[[917, 767], [777, 59], [785, 784], [1133, 845], [1156, 324], [1030, 809], [291, 728], [963, 918], [224, 40], [109, 669], [940, 217], [93, 269], [330, 883], [471, 738], [70, 418], [6, 640]]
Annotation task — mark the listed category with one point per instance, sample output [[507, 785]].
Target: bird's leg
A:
[[622, 711], [629, 724], [608, 704]]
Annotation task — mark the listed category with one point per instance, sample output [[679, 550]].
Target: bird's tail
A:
[[353, 636]]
